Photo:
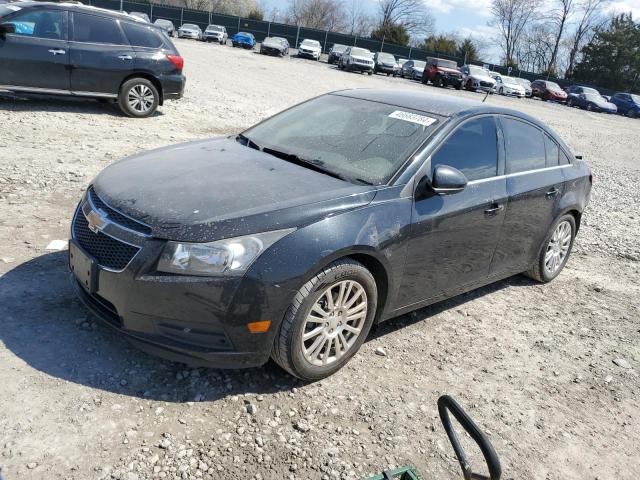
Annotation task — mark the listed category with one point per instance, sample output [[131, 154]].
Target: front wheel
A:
[[328, 321], [632, 113], [501, 92], [138, 98], [555, 252]]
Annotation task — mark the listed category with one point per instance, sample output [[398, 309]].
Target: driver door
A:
[[36, 56], [453, 237]]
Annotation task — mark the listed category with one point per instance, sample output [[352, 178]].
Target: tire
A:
[[631, 113], [437, 82], [589, 107], [539, 270], [289, 346], [138, 87], [501, 91], [570, 103]]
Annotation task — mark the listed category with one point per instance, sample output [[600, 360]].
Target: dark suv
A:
[[71, 49]]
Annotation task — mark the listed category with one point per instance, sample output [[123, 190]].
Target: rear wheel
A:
[[437, 82], [632, 113], [138, 98], [328, 321], [555, 252]]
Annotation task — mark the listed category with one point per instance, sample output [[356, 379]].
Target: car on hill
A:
[[627, 103], [476, 78], [412, 69], [310, 49], [275, 46], [81, 51], [335, 53], [547, 90], [243, 40], [509, 86], [215, 33], [591, 101], [166, 25], [357, 206], [385, 63], [190, 30], [442, 73], [357, 59], [526, 84]]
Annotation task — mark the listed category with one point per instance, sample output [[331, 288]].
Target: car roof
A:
[[80, 7]]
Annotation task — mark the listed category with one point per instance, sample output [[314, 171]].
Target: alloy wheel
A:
[[334, 323], [558, 248], [140, 98]]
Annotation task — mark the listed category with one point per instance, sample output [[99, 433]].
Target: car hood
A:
[[190, 30], [217, 188], [482, 78]]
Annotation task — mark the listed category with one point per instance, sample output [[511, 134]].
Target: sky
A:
[[467, 17]]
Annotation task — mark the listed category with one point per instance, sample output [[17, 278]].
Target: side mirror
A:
[[7, 28], [447, 180]]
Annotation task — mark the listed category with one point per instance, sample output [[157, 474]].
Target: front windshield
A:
[[7, 9], [359, 140], [163, 22], [339, 48], [310, 43], [524, 82], [386, 57], [361, 52], [214, 28], [509, 81], [190, 26], [447, 64], [477, 71], [419, 64], [636, 98], [553, 86], [245, 34]]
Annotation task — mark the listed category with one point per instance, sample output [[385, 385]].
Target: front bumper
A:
[[201, 321], [305, 54], [242, 44], [209, 38], [451, 81], [385, 69], [361, 67], [193, 36], [271, 51]]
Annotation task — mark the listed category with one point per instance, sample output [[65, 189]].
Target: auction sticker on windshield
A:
[[413, 118]]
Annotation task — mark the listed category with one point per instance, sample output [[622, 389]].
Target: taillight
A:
[[177, 60]]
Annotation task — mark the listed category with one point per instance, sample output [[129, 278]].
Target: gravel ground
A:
[[550, 371]]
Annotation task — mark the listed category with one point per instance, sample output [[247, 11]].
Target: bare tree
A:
[[511, 18], [559, 16], [360, 22], [589, 20], [320, 14], [413, 15]]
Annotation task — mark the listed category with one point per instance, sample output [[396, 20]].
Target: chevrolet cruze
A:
[[292, 238]]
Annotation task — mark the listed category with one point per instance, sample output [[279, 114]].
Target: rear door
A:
[[36, 56], [535, 184], [101, 57]]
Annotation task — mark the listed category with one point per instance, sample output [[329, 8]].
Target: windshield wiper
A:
[[317, 165], [247, 142]]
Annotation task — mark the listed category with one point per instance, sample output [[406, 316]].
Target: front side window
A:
[[142, 35], [42, 24], [357, 139], [95, 29], [524, 146], [472, 149]]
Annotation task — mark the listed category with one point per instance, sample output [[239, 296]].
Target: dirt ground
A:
[[550, 371]]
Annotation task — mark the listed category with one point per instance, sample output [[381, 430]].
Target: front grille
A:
[[107, 251], [117, 217], [486, 84]]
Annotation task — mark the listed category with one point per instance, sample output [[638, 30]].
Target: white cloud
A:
[[477, 7], [625, 6]]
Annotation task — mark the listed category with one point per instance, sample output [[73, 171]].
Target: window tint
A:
[[42, 24], [553, 152], [472, 149], [524, 146], [94, 29], [142, 35]]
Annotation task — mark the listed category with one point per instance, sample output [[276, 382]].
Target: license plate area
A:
[[83, 267]]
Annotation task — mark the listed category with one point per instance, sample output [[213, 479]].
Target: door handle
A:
[[494, 210], [57, 51], [552, 193], [125, 57]]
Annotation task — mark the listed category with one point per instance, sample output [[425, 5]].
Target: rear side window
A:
[[142, 35], [472, 149], [553, 151], [524, 146], [39, 23], [95, 29]]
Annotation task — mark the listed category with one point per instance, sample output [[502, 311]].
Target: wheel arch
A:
[[146, 76]]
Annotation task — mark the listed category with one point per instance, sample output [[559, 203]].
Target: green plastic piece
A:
[[402, 473]]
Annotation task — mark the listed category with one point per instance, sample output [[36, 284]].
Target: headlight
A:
[[228, 256]]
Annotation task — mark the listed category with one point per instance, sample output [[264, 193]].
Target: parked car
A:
[[141, 16], [401, 61], [594, 102], [215, 33], [364, 205], [358, 59], [509, 86], [115, 56], [190, 30], [335, 53], [627, 103], [412, 69], [477, 78], [310, 49], [385, 63], [526, 84], [546, 90], [275, 46], [244, 40], [442, 73], [166, 25]]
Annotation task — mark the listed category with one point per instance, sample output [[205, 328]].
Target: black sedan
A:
[[275, 46], [289, 240], [594, 102]]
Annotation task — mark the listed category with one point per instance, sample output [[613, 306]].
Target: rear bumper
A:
[[173, 86]]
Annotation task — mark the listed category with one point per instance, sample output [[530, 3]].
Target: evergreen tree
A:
[[392, 33], [468, 50]]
